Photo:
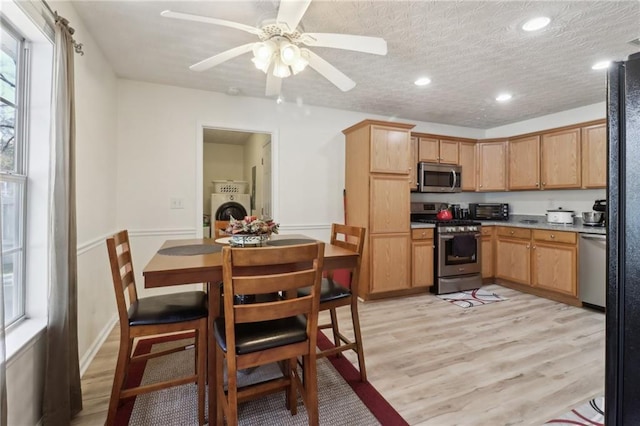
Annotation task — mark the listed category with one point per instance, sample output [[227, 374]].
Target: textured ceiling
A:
[[471, 50]]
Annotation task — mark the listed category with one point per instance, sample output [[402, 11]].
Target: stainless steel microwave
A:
[[439, 177]]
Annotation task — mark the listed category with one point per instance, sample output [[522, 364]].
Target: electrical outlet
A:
[[176, 203]]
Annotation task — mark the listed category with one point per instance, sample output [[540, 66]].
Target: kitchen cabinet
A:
[[377, 172], [390, 150], [541, 259], [467, 159], [560, 160], [524, 163], [487, 251], [554, 261], [492, 172], [434, 150], [513, 254], [390, 262], [422, 251], [594, 156], [413, 171]]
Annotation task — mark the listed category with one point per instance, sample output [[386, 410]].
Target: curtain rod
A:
[[76, 46]]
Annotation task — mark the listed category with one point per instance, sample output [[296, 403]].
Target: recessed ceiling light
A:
[[503, 97], [423, 81], [536, 24], [601, 65]]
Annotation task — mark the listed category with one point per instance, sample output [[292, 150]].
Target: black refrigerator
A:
[[622, 371]]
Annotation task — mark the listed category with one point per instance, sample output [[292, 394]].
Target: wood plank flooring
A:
[[516, 362]]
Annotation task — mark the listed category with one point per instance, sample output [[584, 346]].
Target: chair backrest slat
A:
[[272, 310], [122, 273], [263, 284], [280, 270]]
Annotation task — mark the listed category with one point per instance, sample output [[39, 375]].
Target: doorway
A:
[[240, 156]]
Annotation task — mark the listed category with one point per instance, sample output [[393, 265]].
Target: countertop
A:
[[516, 221]]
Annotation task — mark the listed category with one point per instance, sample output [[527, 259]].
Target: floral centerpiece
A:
[[250, 230]]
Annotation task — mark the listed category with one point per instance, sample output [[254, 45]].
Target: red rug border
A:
[[366, 392]]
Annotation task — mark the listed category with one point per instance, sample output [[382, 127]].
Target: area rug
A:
[[471, 298], [343, 399], [590, 413]]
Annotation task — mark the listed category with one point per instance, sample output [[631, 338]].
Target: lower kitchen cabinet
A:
[[555, 261], [513, 254], [487, 251], [544, 260], [422, 257], [389, 262]]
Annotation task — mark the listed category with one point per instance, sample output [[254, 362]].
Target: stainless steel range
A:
[[458, 248]]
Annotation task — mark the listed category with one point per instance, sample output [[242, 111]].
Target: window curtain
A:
[[62, 393]]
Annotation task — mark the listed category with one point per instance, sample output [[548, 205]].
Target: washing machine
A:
[[223, 206]]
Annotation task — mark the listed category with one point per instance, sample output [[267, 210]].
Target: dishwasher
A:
[[592, 272]]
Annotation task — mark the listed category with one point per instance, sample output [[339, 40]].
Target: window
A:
[[13, 171]]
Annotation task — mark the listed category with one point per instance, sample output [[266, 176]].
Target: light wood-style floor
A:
[[516, 362]]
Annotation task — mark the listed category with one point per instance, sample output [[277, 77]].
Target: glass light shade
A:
[[280, 69], [302, 61], [264, 50], [262, 65], [289, 53]]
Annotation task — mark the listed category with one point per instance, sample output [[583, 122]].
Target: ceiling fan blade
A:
[[221, 57], [375, 45], [290, 12], [208, 20], [274, 84], [331, 73]]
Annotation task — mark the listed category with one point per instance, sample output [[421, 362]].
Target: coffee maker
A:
[[601, 206]]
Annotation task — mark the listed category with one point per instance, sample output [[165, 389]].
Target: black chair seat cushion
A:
[[168, 308], [258, 336], [329, 291]]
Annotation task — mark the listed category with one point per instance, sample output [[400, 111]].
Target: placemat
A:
[[190, 250], [290, 242]]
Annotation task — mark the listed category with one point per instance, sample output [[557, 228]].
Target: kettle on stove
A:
[[444, 214]]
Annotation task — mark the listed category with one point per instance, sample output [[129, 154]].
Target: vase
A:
[[244, 240]]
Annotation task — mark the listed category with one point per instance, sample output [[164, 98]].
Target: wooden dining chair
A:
[[268, 329], [219, 227], [148, 317], [334, 295]]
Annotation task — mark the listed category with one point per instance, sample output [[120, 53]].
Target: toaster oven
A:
[[489, 211]]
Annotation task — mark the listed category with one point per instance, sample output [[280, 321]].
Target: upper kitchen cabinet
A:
[[390, 150], [594, 156], [467, 159], [524, 163], [492, 166], [435, 150], [560, 161]]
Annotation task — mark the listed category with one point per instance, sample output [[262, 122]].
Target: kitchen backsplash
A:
[[523, 202]]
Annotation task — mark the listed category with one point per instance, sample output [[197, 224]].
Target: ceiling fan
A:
[[281, 52]]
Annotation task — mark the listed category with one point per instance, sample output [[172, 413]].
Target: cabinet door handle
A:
[[534, 247], [553, 236], [537, 183], [511, 232], [528, 246]]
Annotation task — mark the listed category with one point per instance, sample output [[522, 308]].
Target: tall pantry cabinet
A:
[[378, 172]]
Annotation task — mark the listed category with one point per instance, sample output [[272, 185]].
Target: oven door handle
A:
[[450, 237]]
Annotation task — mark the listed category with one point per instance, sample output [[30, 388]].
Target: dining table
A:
[[199, 260]]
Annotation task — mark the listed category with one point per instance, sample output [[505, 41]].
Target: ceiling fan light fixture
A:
[[261, 64]]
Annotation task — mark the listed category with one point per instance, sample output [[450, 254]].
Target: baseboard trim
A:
[[97, 344]]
